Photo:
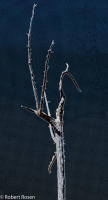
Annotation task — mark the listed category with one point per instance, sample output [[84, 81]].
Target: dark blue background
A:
[[80, 31]]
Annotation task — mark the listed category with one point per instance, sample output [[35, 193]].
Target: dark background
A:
[[80, 31]]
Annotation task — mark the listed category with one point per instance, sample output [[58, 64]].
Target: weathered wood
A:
[[55, 124]]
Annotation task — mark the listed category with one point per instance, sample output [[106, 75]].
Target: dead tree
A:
[[55, 124]]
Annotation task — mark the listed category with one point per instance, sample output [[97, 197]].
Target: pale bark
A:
[[55, 124]]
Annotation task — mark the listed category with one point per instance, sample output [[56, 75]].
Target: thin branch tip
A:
[[80, 90], [53, 42], [22, 106], [35, 5], [67, 66], [28, 109]]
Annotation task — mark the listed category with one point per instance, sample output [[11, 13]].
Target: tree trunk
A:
[[61, 167]]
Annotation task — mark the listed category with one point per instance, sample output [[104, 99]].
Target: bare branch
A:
[[28, 109], [50, 127], [45, 75], [52, 162], [60, 109], [29, 59], [66, 72], [43, 116]]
